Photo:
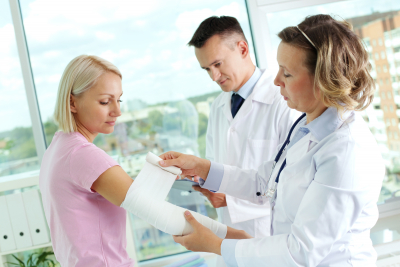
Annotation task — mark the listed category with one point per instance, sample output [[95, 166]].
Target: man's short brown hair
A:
[[224, 26]]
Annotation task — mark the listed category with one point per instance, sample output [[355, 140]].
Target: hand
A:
[[218, 200], [190, 165], [202, 238], [237, 234]]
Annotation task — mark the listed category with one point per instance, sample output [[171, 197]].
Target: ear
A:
[[243, 48], [73, 104]]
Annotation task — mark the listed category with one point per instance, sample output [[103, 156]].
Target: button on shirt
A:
[[319, 128]]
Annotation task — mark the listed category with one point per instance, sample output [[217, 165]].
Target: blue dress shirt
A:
[[319, 128]]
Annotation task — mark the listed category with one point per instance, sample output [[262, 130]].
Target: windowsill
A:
[[20, 180]]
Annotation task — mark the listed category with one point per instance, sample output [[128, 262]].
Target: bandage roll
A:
[[153, 159], [146, 199]]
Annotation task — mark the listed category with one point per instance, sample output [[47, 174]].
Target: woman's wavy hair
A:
[[339, 61], [79, 76]]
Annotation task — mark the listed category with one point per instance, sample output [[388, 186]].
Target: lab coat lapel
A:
[[298, 150], [227, 107], [263, 92]]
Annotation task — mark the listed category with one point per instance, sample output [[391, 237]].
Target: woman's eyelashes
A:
[[105, 103], [286, 75]]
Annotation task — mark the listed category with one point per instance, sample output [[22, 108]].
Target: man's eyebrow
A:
[[215, 61]]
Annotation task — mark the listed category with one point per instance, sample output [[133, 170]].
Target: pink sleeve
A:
[[87, 163]]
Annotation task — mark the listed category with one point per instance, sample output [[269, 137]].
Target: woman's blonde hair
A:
[[79, 76], [339, 61]]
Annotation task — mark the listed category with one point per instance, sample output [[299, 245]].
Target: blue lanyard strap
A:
[[287, 141]]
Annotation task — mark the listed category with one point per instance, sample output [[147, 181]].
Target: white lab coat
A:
[[246, 141], [326, 200]]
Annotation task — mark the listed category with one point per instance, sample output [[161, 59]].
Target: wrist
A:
[[217, 246], [205, 168]]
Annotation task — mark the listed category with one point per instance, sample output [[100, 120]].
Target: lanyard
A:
[[270, 193]]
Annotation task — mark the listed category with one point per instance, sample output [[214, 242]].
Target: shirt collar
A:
[[248, 87], [325, 124]]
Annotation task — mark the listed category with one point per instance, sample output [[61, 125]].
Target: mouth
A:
[[222, 82], [112, 123]]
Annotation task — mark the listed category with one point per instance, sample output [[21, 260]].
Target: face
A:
[[295, 80], [226, 66], [97, 109]]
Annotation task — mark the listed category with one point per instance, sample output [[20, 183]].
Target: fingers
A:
[[170, 155], [205, 192], [170, 162], [189, 217]]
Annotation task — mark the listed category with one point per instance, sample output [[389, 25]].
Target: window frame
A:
[[262, 43]]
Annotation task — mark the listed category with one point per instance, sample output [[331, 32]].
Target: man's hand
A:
[[190, 165], [202, 238], [218, 200]]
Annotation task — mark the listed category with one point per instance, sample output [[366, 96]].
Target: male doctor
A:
[[247, 120]]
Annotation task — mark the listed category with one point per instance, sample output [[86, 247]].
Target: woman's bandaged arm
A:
[[146, 199]]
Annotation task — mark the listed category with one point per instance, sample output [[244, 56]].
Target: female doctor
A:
[[325, 180]]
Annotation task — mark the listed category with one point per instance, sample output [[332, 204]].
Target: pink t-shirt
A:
[[86, 229]]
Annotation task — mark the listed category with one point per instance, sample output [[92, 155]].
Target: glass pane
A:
[[167, 95], [17, 146], [378, 23]]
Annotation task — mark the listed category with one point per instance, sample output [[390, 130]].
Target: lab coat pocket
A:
[[258, 151]]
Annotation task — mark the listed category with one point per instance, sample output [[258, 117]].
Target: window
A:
[[17, 146], [394, 122], [391, 108], [363, 17], [167, 96]]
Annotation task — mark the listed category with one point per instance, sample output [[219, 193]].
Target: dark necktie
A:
[[236, 103]]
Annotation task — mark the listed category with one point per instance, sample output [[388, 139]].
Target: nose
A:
[[116, 112], [277, 81], [215, 74]]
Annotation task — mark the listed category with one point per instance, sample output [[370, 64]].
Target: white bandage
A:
[[146, 199]]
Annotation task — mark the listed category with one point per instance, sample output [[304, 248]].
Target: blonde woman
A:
[[325, 180], [84, 191]]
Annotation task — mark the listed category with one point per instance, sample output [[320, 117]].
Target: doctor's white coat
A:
[[326, 200], [246, 141]]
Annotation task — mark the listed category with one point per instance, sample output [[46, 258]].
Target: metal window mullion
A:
[[27, 74]]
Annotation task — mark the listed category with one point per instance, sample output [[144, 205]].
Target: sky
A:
[[146, 40]]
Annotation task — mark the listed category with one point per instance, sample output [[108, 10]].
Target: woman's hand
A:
[[237, 234], [190, 165], [202, 238]]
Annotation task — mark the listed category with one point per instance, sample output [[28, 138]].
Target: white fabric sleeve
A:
[[146, 199]]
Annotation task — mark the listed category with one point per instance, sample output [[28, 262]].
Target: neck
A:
[[86, 133], [247, 76], [315, 113]]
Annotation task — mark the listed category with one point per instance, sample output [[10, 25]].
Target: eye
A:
[[119, 100], [103, 103], [286, 75], [218, 64]]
